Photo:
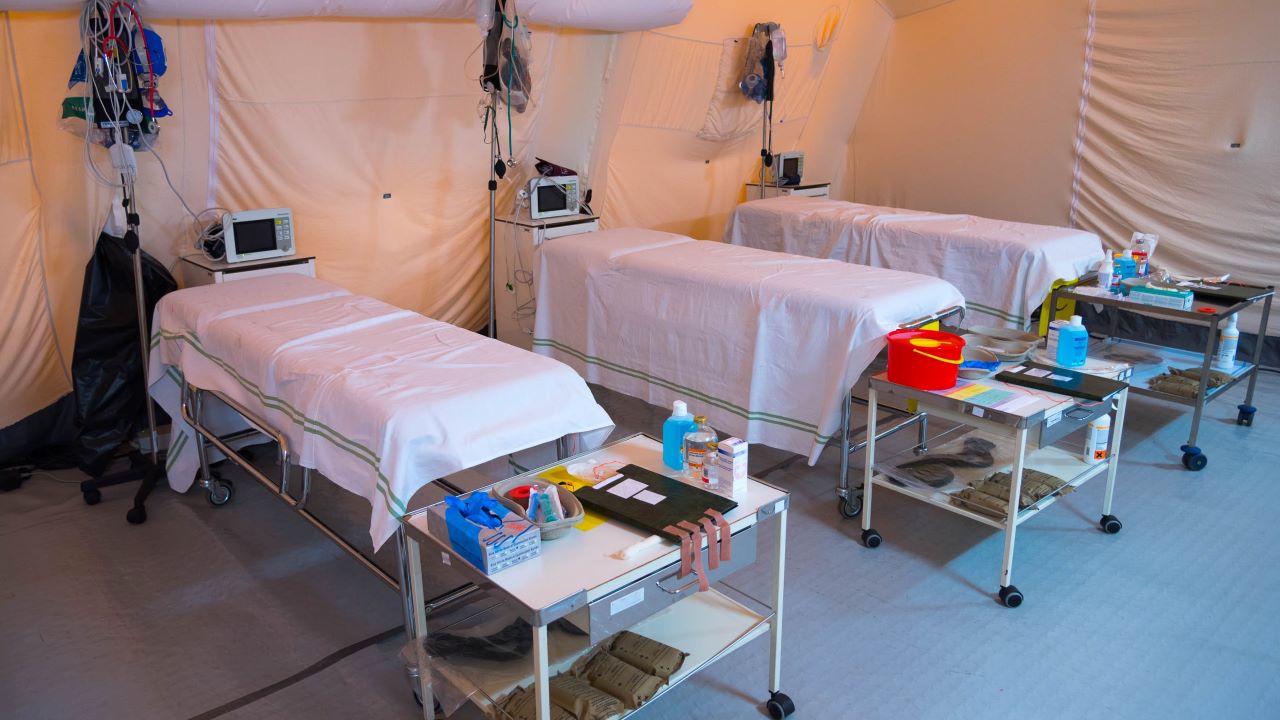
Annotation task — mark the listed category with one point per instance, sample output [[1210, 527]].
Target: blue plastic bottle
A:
[[1073, 343], [673, 431]]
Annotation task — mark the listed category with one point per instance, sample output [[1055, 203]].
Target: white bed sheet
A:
[[1005, 269], [765, 344], [380, 400]]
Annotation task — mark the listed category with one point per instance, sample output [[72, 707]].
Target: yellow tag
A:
[[560, 476], [925, 343]]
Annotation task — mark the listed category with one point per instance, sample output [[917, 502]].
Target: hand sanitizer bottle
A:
[[673, 432], [1073, 343], [1228, 341]]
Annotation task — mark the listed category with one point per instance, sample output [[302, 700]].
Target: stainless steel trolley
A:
[[576, 593], [1041, 423], [1193, 458]]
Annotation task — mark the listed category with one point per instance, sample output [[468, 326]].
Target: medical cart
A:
[[1037, 422], [1152, 360], [576, 593]]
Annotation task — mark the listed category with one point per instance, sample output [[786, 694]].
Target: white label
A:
[[1059, 378], [444, 558], [650, 497], [1052, 417], [629, 600], [1037, 372], [1016, 369], [627, 488], [779, 506]]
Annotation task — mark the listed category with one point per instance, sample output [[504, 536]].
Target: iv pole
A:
[[494, 159], [766, 113]]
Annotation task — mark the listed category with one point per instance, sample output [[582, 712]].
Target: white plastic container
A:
[[1073, 344], [1096, 439], [1228, 341]]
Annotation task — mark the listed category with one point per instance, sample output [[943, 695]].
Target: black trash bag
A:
[[107, 366]]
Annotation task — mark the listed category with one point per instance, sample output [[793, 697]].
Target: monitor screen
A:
[[791, 167], [253, 236], [552, 197]]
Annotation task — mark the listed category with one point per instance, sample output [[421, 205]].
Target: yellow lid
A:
[[700, 419], [925, 343]]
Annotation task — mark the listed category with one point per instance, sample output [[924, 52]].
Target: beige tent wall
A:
[[34, 374], [973, 109], [976, 104], [652, 166]]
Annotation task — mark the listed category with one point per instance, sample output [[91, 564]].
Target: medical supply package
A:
[[488, 535], [731, 454], [1175, 298]]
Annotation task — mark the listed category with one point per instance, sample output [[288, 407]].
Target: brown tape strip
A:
[[726, 535], [686, 543], [713, 557], [696, 533]]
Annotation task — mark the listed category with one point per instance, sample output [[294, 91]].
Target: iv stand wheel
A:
[[92, 497], [220, 492], [1010, 596], [136, 515], [850, 507], [1245, 417], [871, 538], [1110, 524], [779, 705]]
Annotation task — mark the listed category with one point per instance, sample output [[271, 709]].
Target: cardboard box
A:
[[731, 454], [1163, 297], [493, 549]]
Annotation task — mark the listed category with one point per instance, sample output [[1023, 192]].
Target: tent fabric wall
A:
[[35, 372], [976, 102], [1175, 84], [654, 170]]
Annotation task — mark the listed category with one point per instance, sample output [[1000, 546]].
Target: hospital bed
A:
[[379, 400], [767, 345], [1005, 269]]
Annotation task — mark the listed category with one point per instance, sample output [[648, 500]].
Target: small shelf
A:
[[706, 625], [1169, 357], [1057, 460]]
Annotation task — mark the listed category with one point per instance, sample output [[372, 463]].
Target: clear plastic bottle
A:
[[697, 444], [710, 466]]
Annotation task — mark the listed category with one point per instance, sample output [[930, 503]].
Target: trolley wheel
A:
[[1110, 524], [850, 507], [1245, 417], [136, 515], [1195, 461], [92, 497], [871, 539], [220, 492], [779, 705], [1011, 596]]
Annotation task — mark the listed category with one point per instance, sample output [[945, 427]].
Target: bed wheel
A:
[[779, 706], [220, 492], [851, 507]]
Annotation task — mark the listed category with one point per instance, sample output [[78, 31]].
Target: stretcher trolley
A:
[[1000, 429], [1151, 361], [512, 631]]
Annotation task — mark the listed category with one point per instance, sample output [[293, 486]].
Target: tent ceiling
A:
[[900, 8]]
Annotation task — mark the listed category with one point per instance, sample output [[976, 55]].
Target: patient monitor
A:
[[553, 196], [787, 168], [258, 234]]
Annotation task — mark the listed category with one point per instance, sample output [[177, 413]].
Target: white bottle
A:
[[1228, 340], [1095, 441], [711, 466]]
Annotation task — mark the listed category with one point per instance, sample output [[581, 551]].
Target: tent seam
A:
[[1082, 123]]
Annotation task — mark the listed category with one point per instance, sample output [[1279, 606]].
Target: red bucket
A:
[[925, 359]]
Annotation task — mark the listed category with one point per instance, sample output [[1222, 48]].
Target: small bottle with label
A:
[[697, 444], [710, 466]]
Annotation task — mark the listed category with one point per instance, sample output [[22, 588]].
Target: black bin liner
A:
[[107, 366]]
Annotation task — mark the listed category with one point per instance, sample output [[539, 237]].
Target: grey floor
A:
[[246, 612]]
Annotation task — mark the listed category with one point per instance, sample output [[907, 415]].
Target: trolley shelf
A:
[[1169, 357], [707, 625], [1054, 460]]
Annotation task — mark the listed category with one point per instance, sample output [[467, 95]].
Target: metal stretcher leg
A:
[[1192, 457], [1009, 594], [870, 537], [1109, 523], [1247, 410], [541, 673]]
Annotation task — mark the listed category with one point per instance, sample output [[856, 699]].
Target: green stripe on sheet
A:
[[1002, 314], [742, 412], [395, 505], [174, 450]]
